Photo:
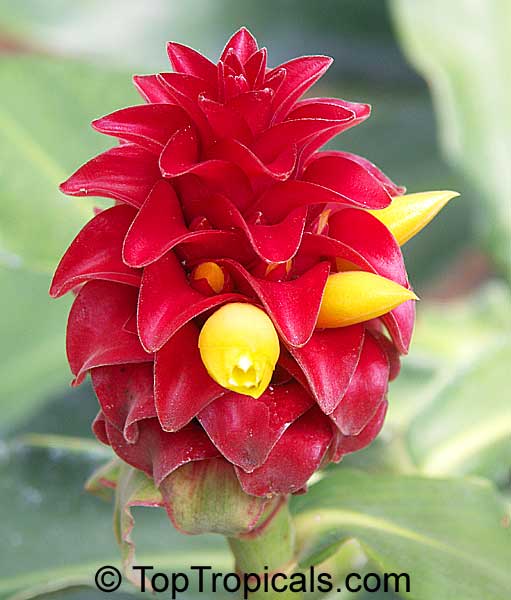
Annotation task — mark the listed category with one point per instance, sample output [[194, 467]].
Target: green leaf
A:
[[449, 413], [451, 536], [462, 49], [47, 105], [55, 536], [449, 332], [32, 354], [448, 338], [467, 428]]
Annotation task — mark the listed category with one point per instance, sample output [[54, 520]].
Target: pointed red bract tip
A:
[[242, 43]]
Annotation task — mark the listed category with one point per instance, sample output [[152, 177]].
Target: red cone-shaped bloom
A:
[[221, 164]]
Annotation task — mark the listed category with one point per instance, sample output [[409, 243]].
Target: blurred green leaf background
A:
[[64, 63]]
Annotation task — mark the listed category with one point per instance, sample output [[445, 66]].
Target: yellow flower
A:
[[240, 348], [407, 215], [355, 296]]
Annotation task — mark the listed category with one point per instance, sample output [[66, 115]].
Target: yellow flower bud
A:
[[239, 347], [355, 296], [212, 273], [407, 215], [283, 268], [323, 221]]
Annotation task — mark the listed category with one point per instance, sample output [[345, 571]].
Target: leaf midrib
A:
[[338, 518], [471, 442], [30, 147]]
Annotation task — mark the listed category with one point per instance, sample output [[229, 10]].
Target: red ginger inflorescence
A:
[[222, 197]]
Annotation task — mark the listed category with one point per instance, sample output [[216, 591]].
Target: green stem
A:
[[267, 550]]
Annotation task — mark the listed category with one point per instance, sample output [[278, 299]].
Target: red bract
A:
[[222, 164]]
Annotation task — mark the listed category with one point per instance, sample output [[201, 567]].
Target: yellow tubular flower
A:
[[354, 296], [407, 215], [239, 347]]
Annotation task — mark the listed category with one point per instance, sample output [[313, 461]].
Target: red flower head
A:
[[230, 225]]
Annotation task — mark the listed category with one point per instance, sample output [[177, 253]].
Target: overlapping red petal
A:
[[125, 173], [96, 253], [294, 458], [366, 389], [221, 164], [254, 426], [95, 329], [126, 395], [182, 385]]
